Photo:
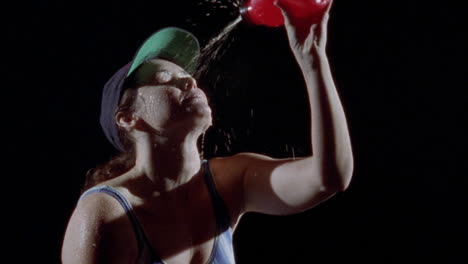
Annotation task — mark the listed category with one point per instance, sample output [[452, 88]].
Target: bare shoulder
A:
[[234, 167], [238, 163], [91, 235], [228, 171], [228, 175], [97, 207]]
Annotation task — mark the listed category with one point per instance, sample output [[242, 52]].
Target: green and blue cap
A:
[[173, 44]]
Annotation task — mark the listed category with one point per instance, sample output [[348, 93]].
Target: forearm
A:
[[331, 144]]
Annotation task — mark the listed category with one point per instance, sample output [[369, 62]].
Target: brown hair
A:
[[123, 161]]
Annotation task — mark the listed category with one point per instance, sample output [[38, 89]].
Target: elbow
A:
[[339, 177], [345, 178], [346, 173]]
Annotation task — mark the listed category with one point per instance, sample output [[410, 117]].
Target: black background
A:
[[400, 68]]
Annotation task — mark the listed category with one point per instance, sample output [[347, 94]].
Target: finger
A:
[[329, 6], [312, 38], [324, 24], [326, 14]]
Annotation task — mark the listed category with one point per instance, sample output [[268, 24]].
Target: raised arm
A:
[[286, 186], [330, 139]]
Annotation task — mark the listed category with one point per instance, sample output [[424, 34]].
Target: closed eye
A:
[[162, 77]]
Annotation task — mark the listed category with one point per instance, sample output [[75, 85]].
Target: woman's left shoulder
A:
[[227, 176]]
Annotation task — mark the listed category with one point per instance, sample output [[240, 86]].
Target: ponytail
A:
[[117, 166]]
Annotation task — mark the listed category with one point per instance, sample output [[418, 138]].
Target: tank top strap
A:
[[223, 251], [221, 211], [140, 234]]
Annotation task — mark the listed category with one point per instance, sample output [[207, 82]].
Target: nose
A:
[[189, 83]]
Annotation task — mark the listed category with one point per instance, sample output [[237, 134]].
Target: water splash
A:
[[215, 48], [223, 4], [230, 8], [213, 52], [292, 151]]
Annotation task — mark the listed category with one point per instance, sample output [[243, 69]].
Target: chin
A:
[[199, 120], [197, 116], [205, 121], [201, 111]]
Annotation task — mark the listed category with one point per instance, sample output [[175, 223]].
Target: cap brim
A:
[[174, 44]]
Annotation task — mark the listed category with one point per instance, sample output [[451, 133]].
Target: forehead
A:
[[159, 65], [148, 69]]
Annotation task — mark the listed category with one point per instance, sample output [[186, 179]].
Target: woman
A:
[[168, 206]]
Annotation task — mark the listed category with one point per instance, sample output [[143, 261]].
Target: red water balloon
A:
[[264, 12]]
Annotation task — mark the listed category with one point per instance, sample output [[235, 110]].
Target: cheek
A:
[[161, 104], [167, 99]]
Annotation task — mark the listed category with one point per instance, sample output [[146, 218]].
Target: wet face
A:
[[168, 98]]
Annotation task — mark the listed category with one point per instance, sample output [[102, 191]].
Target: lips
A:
[[194, 96]]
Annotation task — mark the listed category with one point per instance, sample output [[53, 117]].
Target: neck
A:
[[168, 163]]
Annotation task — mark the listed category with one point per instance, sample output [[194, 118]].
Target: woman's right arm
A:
[[89, 237]]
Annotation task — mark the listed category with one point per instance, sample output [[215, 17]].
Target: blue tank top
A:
[[222, 252]]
